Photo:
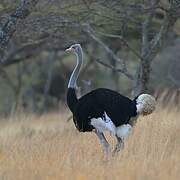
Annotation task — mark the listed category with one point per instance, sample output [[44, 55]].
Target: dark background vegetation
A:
[[131, 46]]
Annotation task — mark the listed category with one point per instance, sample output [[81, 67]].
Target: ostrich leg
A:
[[104, 143], [119, 145]]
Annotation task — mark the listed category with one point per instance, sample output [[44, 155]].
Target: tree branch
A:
[[91, 33], [9, 27], [154, 44], [131, 77], [27, 49], [124, 41], [146, 28], [123, 70]]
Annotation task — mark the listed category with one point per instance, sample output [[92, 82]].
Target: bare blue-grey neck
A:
[[75, 73]]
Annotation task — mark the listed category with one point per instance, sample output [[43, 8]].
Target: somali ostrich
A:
[[104, 109]]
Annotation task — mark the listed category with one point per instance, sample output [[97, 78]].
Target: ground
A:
[[49, 148]]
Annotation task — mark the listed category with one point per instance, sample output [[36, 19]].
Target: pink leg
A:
[[105, 144]]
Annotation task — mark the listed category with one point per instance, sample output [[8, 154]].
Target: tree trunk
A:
[[143, 77]]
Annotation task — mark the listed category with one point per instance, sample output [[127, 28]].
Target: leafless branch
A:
[[167, 23], [130, 76], [91, 33], [124, 41], [27, 49]]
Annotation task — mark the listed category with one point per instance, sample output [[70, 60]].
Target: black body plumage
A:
[[93, 105]]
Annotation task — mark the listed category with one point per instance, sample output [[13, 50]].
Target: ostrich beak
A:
[[69, 49]]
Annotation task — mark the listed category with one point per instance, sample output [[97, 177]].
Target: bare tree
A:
[[150, 44], [31, 30]]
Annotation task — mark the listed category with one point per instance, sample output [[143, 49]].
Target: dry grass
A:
[[47, 147]]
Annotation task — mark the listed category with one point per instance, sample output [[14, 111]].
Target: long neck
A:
[[75, 73]]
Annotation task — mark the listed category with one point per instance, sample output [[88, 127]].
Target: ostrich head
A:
[[75, 48], [145, 104]]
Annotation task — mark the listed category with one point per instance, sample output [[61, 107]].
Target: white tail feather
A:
[[102, 125], [123, 131]]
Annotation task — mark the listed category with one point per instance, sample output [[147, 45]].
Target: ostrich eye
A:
[[73, 47]]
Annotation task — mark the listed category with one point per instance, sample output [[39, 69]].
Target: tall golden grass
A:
[[49, 148]]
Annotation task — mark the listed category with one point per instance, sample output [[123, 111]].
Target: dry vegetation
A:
[[47, 147]]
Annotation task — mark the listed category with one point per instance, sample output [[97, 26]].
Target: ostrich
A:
[[103, 109]]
